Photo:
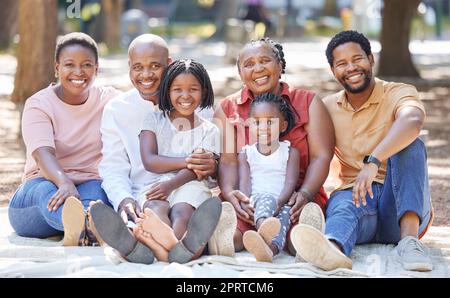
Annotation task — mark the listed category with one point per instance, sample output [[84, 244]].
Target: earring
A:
[[56, 75]]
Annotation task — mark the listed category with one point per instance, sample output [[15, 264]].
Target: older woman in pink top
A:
[[61, 131]]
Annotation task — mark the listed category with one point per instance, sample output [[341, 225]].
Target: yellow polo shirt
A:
[[358, 132]]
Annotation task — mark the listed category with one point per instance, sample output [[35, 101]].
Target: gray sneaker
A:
[[413, 256]]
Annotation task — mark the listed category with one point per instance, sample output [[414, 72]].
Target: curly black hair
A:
[[276, 48], [76, 38], [279, 102], [185, 66], [344, 37]]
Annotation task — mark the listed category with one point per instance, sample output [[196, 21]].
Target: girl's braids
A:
[[276, 48]]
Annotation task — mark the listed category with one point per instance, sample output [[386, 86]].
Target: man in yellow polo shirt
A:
[[383, 195]]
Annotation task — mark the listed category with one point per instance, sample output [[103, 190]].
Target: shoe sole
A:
[[421, 267], [74, 221], [312, 215], [111, 228], [316, 249], [257, 246], [269, 229], [221, 242], [201, 226]]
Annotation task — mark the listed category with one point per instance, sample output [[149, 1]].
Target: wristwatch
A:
[[372, 159]]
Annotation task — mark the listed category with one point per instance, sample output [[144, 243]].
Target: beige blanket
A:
[[28, 257]]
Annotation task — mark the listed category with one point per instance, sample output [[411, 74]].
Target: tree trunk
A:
[[225, 10], [8, 22], [330, 8], [110, 23], [395, 58], [37, 30]]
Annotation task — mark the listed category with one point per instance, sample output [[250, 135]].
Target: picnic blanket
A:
[[30, 257]]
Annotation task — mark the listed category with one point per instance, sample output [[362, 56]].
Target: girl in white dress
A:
[[269, 171]]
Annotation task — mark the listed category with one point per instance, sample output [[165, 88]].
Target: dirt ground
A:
[[436, 135]]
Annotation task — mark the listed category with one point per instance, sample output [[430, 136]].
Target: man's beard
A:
[[366, 83]]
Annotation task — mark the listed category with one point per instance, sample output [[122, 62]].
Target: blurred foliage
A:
[[200, 30], [311, 28], [419, 29]]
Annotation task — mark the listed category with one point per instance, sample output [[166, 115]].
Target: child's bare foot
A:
[[160, 252], [160, 231]]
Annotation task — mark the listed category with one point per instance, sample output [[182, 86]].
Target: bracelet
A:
[[307, 193]]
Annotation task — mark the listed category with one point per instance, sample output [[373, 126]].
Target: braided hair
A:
[[281, 104], [185, 66], [276, 48]]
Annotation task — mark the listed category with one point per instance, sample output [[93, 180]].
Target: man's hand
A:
[[203, 163], [64, 191], [298, 200], [363, 184], [241, 204], [128, 210], [160, 191]]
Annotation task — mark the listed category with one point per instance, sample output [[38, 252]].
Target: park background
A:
[[410, 40]]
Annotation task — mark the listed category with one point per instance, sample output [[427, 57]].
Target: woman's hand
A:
[[241, 203], [298, 200], [280, 204], [65, 190]]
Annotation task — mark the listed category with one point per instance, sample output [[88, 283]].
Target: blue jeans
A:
[[28, 213], [405, 189]]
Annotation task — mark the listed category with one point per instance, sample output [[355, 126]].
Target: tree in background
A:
[[330, 8], [8, 22], [226, 9], [109, 23], [37, 30], [395, 58]]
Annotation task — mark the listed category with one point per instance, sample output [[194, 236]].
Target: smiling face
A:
[[267, 123], [147, 63], [259, 70], [76, 69], [185, 94], [352, 67]]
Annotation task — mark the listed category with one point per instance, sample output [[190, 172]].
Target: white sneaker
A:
[[316, 249], [311, 215], [221, 241], [413, 255]]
